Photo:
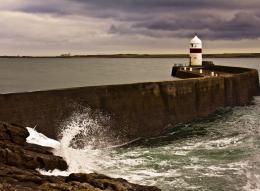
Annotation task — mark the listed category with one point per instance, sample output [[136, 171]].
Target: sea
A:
[[220, 152]]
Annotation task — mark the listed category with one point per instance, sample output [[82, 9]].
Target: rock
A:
[[106, 183], [13, 133], [16, 152], [72, 186], [18, 161]]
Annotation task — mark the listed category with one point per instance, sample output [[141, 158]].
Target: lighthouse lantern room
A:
[[195, 52]]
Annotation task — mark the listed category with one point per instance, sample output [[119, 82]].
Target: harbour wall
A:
[[132, 110]]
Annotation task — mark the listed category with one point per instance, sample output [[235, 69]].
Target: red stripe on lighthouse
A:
[[195, 50]]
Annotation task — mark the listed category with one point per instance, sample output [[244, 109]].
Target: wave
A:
[[227, 152]]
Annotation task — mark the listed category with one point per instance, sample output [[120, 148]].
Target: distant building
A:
[[65, 55], [195, 52]]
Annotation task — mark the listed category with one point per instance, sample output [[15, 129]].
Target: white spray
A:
[[79, 160]]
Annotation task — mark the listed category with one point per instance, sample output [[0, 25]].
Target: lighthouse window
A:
[[191, 45]]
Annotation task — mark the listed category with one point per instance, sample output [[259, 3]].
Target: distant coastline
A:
[[225, 55]]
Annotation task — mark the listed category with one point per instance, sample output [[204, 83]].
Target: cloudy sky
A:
[[53, 27]]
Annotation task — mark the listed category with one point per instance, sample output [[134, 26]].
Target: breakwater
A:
[[134, 110]]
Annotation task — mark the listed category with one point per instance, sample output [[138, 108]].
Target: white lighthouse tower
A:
[[195, 52]]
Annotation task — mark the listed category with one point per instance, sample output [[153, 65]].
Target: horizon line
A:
[[133, 55]]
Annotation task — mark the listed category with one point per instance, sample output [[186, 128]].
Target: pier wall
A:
[[134, 110]]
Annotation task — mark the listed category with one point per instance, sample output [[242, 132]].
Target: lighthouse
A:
[[195, 52]]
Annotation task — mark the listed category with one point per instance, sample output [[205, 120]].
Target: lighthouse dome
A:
[[195, 40]]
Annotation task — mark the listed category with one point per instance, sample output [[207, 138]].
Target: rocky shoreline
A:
[[19, 161]]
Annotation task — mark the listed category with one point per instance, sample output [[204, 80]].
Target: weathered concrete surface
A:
[[136, 110]]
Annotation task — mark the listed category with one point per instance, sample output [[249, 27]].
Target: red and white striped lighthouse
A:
[[195, 52]]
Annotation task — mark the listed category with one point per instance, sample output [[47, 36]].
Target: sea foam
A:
[[86, 159]]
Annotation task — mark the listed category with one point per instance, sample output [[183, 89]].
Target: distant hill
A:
[[225, 55]]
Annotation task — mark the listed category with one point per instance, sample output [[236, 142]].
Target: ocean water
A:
[[31, 74], [220, 152]]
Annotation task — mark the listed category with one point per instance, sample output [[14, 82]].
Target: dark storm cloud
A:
[[221, 19], [57, 7], [113, 7], [242, 25], [81, 21], [183, 4]]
